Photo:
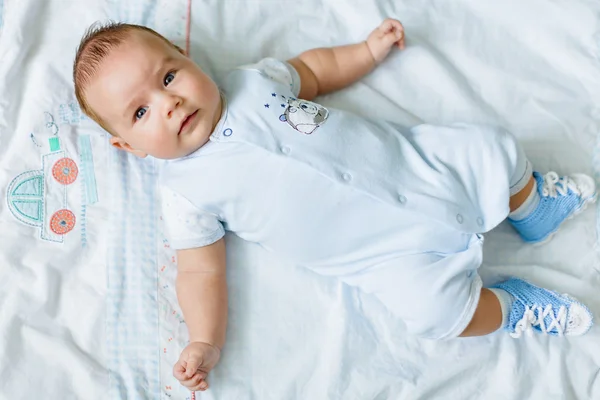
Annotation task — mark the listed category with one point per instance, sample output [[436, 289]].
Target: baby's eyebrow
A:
[[167, 60]]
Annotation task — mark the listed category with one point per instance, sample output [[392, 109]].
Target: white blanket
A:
[[79, 315], [531, 67]]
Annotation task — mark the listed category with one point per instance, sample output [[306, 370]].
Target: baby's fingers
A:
[[400, 44], [202, 386], [391, 25], [194, 380], [197, 382], [179, 371]]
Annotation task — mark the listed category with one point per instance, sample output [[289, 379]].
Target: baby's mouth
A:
[[186, 122]]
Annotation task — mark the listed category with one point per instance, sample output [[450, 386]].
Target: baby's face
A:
[[158, 101]]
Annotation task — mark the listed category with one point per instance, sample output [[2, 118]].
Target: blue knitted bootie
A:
[[560, 199], [543, 310]]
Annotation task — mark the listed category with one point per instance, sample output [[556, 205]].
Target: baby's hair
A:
[[97, 42]]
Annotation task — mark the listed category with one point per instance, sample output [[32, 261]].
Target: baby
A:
[[396, 212]]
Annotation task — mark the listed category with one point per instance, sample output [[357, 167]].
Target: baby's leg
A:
[[539, 204], [519, 197], [442, 298], [521, 307], [487, 317]]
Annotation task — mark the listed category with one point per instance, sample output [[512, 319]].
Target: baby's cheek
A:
[[161, 146], [209, 90], [196, 81]]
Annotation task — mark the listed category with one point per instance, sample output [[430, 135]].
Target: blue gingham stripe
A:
[[1, 14], [132, 305], [132, 314]]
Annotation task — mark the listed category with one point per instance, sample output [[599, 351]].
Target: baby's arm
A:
[[202, 295], [328, 69]]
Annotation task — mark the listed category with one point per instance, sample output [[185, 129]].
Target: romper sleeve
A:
[[279, 71], [187, 225]]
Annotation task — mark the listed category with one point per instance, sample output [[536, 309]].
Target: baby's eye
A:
[[140, 113], [169, 78]]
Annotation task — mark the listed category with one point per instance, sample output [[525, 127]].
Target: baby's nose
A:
[[171, 104]]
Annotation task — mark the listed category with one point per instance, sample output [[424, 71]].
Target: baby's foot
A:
[[535, 308], [559, 199]]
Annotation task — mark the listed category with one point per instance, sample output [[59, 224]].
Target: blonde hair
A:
[[97, 42]]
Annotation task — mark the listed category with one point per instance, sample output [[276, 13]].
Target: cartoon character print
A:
[[304, 116]]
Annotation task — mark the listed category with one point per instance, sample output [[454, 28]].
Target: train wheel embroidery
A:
[[62, 222], [65, 171]]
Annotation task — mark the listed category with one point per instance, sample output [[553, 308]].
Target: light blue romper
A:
[[396, 212]]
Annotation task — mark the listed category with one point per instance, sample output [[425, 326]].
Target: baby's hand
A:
[[194, 364], [381, 40]]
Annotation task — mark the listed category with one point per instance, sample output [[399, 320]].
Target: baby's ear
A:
[[121, 144]]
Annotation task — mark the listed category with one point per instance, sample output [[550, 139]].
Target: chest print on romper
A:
[[304, 116]]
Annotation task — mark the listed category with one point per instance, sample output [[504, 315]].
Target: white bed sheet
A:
[[531, 67]]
